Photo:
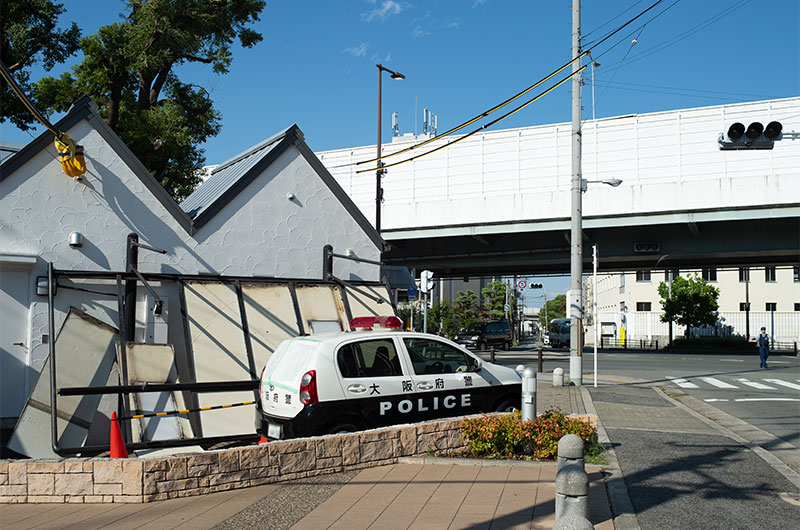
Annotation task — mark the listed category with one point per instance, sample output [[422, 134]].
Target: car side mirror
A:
[[477, 367]]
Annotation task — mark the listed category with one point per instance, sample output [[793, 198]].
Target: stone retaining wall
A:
[[105, 480]]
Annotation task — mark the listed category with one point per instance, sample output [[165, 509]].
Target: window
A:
[[797, 273], [769, 274], [744, 274], [771, 306], [642, 276], [369, 358], [671, 275], [742, 306], [643, 306], [796, 306], [434, 357], [710, 274]]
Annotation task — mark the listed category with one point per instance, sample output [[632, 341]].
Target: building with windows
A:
[[749, 297]]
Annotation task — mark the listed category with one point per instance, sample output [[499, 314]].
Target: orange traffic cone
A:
[[263, 441], [117, 443]]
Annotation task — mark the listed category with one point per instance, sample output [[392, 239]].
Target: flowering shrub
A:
[[508, 435]]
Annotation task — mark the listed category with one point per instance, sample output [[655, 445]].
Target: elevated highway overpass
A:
[[499, 202]]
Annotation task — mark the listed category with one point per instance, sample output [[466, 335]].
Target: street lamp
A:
[[378, 189], [611, 182]]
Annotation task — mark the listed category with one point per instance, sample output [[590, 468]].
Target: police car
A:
[[350, 381]]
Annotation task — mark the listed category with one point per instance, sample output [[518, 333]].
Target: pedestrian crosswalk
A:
[[769, 383]]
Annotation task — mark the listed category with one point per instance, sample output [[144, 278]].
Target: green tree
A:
[[556, 308], [129, 70], [465, 308], [28, 34], [691, 302], [440, 319], [494, 298]]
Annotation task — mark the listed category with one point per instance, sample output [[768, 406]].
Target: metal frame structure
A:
[[122, 281]]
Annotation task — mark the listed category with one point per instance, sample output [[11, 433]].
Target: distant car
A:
[[482, 335], [350, 381], [559, 333]]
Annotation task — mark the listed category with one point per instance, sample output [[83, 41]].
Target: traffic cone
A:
[[117, 443], [263, 441]]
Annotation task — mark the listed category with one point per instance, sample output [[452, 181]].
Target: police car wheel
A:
[[506, 406], [343, 428]]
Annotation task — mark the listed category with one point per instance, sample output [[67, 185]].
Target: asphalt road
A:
[[768, 399]]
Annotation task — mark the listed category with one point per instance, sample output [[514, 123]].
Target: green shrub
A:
[[507, 435]]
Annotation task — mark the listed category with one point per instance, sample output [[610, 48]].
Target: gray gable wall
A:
[[249, 228]]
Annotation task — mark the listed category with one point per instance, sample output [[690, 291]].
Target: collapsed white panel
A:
[[219, 354], [85, 353], [365, 306], [321, 303], [271, 318], [154, 363]]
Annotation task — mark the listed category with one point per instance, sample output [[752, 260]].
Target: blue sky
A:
[[316, 64]]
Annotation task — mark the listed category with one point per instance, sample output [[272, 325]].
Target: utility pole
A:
[[576, 255]]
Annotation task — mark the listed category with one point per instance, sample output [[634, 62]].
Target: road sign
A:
[[506, 307], [522, 284]]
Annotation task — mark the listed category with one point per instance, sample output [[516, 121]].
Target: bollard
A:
[[492, 354], [573, 522], [539, 364], [558, 377], [570, 451], [572, 492], [528, 394]]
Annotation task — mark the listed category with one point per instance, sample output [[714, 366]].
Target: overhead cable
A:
[[504, 116], [478, 117]]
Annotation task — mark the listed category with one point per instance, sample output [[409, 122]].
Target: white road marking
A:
[[710, 400], [780, 362], [784, 383], [681, 382], [767, 399], [759, 386], [717, 383], [733, 360]]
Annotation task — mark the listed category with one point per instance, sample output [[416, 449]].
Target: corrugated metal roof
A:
[[227, 174]]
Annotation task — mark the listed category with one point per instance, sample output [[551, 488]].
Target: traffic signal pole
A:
[[576, 263]]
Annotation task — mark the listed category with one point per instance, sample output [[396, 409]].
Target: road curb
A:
[[616, 488], [778, 465]]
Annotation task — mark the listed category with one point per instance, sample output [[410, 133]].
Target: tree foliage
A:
[[129, 70], [465, 308], [29, 34], [440, 319], [690, 302], [494, 298], [556, 308]]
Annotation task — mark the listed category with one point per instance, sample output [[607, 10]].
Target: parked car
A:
[[482, 335], [350, 381]]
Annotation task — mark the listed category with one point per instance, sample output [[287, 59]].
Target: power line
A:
[[620, 28], [688, 33], [606, 23]]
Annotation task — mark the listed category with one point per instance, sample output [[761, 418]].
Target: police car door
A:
[[445, 380], [372, 379]]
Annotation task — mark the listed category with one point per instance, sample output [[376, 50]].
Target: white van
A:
[[350, 381]]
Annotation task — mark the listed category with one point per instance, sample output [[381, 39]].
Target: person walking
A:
[[763, 347]]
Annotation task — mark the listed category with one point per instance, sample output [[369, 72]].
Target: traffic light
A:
[[426, 281], [535, 286], [755, 136], [646, 248]]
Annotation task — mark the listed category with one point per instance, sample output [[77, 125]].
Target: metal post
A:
[[131, 263], [425, 314], [747, 302], [772, 328], [576, 264], [327, 262], [528, 394], [539, 365], [594, 298], [379, 172], [51, 341], [491, 354]]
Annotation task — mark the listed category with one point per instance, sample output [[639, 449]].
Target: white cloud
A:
[[358, 51], [417, 32], [477, 3], [386, 9], [454, 24]]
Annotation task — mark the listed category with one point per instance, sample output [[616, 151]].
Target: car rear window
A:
[[369, 358]]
